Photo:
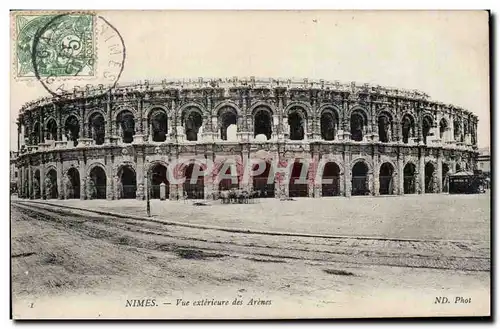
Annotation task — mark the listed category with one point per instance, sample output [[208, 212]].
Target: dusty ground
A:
[[89, 265], [430, 216]]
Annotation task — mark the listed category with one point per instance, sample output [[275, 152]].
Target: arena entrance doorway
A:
[[194, 187], [158, 176], [98, 177], [129, 183], [409, 179], [261, 183], [297, 187], [331, 172], [360, 179]]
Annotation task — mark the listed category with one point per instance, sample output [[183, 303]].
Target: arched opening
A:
[[194, 185], [457, 131], [73, 184], [327, 123], [409, 180], [297, 122], [97, 128], [473, 135], [52, 130], [385, 128], [126, 126], [429, 178], [128, 181], [408, 128], [360, 179], [262, 123], [443, 126], [158, 176], [227, 117], [72, 129], [158, 125], [445, 182], [264, 183], [51, 185], [385, 179], [358, 124], [36, 185], [230, 178], [331, 180], [35, 134], [98, 181], [297, 186], [426, 128], [192, 123]]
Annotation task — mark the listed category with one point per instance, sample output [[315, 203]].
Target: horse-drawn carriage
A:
[[236, 195]]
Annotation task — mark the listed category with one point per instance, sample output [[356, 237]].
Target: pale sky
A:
[[442, 53]]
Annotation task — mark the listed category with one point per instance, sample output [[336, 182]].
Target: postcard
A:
[[250, 164]]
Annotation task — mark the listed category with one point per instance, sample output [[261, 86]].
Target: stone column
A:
[[110, 195], [20, 184], [400, 170], [247, 181], [347, 171], [30, 181], [376, 172], [421, 171], [59, 167], [83, 177], [140, 175], [439, 173], [42, 178]]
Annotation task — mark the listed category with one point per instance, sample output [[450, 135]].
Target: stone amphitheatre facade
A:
[[118, 143]]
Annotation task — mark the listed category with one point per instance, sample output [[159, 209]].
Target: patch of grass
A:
[[338, 272]]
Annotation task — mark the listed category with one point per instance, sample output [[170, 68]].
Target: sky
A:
[[442, 53]]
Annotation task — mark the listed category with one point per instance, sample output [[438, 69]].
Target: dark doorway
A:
[[445, 181], [129, 182], [73, 184], [159, 126], [97, 128], [193, 124], [331, 172], [231, 182], [360, 179], [263, 123], [262, 184], [158, 176], [51, 188], [98, 178], [327, 123], [296, 187], [385, 179], [357, 125], [429, 178], [297, 123], [194, 186], [72, 129], [409, 181]]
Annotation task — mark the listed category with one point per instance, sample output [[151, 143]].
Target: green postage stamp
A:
[[55, 45]]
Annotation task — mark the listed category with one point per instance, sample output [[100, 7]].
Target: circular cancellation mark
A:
[[67, 48]]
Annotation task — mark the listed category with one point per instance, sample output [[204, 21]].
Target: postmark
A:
[[61, 50], [61, 45]]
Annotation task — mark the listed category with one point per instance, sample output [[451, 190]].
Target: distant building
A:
[[13, 171], [484, 161]]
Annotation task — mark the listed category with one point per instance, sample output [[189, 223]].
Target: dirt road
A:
[[59, 254]]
